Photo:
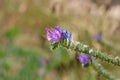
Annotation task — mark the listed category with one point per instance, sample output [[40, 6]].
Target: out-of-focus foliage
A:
[[13, 32], [25, 53]]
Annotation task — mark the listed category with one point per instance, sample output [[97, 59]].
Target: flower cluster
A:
[[58, 34], [85, 59]]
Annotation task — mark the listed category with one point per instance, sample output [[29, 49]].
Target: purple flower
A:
[[98, 37], [66, 35], [55, 35], [85, 59]]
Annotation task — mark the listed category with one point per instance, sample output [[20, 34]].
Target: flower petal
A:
[[49, 33]]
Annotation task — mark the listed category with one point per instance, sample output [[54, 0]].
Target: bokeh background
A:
[[25, 53]]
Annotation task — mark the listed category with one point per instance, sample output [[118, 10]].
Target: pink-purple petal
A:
[[49, 33], [55, 35]]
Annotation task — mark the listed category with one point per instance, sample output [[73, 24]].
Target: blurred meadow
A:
[[25, 53]]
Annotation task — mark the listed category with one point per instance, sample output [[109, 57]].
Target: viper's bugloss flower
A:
[[85, 59], [55, 35], [98, 37], [66, 35]]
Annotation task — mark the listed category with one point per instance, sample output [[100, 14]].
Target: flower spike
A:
[[58, 34]]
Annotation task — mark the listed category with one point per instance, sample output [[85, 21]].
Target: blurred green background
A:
[[25, 53]]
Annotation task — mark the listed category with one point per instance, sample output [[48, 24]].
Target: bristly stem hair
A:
[[79, 47]]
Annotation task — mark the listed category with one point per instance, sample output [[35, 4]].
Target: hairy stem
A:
[[79, 47], [102, 72]]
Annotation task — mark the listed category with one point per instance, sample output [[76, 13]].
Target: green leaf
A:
[[29, 70], [2, 54], [21, 52], [13, 32], [61, 56]]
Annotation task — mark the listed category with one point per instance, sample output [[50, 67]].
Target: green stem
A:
[[79, 47], [102, 71]]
